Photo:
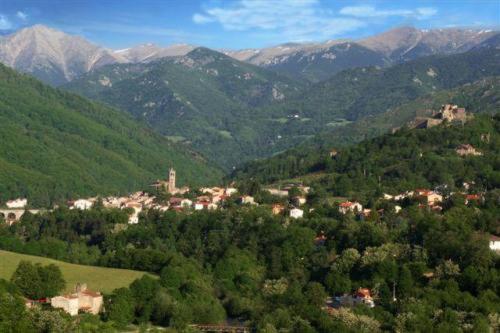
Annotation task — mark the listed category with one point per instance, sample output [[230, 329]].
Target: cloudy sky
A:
[[240, 23]]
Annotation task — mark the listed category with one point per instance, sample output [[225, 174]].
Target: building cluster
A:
[[448, 112], [82, 300], [211, 199]]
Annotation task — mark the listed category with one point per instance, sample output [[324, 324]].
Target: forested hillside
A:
[[234, 112], [423, 269], [204, 99], [410, 158], [56, 145]]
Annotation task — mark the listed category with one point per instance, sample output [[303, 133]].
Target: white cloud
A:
[[22, 15], [201, 19], [296, 20], [5, 23], [372, 12]]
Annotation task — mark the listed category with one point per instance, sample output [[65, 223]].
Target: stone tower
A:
[[171, 180]]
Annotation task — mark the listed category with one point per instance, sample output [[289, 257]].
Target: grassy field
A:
[[97, 278]]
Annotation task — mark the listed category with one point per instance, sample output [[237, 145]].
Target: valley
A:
[[345, 185]]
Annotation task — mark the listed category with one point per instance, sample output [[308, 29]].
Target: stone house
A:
[[82, 300]]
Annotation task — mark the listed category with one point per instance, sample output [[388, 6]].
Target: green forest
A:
[[56, 145]]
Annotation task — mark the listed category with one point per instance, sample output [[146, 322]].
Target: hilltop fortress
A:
[[448, 112]]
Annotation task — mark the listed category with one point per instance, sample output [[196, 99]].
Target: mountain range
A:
[[233, 111], [57, 58]]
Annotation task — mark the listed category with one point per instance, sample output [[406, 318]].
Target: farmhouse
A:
[[82, 299]]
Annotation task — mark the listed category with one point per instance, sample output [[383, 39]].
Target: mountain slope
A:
[[479, 97], [204, 98], [150, 52], [407, 43], [232, 112], [51, 55], [322, 64], [320, 61], [57, 145], [361, 92]]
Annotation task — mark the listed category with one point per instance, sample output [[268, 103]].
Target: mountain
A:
[[51, 55], [204, 98], [407, 43], [56, 145], [320, 61], [150, 52], [56, 58], [360, 92], [233, 111]]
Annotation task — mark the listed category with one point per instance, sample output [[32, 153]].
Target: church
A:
[[169, 185]]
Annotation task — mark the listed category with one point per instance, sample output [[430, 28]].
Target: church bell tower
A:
[[171, 180]]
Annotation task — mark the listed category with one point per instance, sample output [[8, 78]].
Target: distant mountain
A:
[[150, 52], [233, 111], [56, 145], [51, 55], [403, 44], [360, 92], [203, 98], [56, 58], [320, 61]]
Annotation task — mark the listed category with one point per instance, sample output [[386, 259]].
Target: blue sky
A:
[[240, 23]]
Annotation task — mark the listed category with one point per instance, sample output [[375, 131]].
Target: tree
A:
[[120, 306], [52, 280], [13, 314], [27, 279], [36, 281]]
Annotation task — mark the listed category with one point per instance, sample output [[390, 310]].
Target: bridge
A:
[[220, 328], [12, 216]]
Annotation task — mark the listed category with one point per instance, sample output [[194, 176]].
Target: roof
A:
[[494, 238]]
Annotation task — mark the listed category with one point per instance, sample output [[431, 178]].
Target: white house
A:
[[494, 243], [17, 203], [200, 205], [296, 213], [231, 190], [82, 204], [348, 206], [246, 199], [134, 217]]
